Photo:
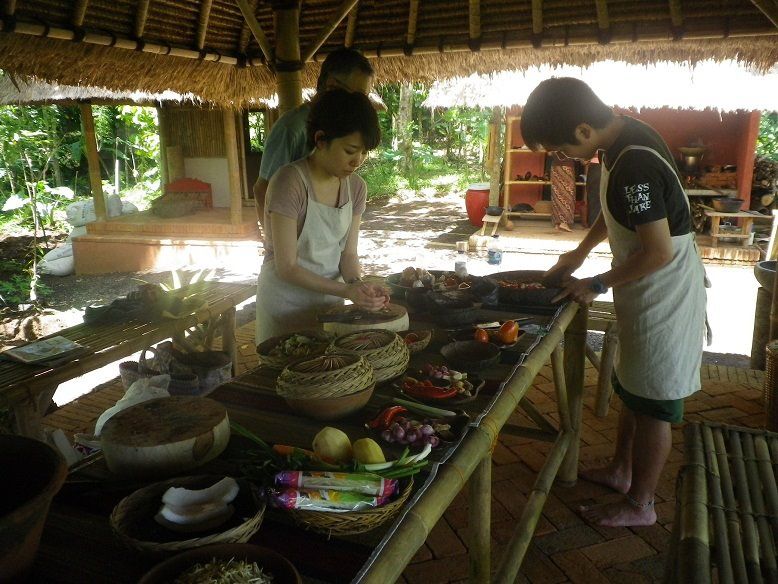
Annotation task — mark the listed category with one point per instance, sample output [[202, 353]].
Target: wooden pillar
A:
[[164, 139], [287, 25], [493, 161], [176, 168], [93, 161], [241, 127], [746, 153], [233, 168]]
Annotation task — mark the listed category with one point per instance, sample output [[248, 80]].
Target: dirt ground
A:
[[396, 233]]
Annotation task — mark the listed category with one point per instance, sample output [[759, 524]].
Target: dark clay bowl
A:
[[765, 274], [471, 355], [271, 562], [727, 204], [494, 210]]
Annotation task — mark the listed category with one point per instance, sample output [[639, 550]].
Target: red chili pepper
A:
[[384, 419], [430, 391]]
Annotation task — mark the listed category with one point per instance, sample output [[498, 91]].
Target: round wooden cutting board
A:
[[165, 436], [349, 319]]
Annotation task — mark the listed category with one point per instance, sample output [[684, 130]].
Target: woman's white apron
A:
[[661, 316], [283, 307]]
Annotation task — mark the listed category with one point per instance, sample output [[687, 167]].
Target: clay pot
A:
[[765, 274], [33, 473]]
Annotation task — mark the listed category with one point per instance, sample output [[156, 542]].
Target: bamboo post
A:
[[771, 246], [164, 139], [287, 23], [479, 520], [228, 337], [344, 8], [233, 167], [575, 339], [716, 505], [242, 129], [93, 161], [140, 18], [560, 389], [730, 506], [768, 550], [693, 540], [761, 334], [493, 161], [413, 16], [604, 386], [351, 26], [774, 308]]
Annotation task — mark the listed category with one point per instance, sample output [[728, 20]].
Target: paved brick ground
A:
[[565, 548]]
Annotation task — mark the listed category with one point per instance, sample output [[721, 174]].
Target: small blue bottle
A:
[[494, 251]]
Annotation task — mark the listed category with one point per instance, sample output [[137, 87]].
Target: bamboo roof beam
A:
[[326, 31], [537, 17], [9, 8], [413, 18], [256, 29], [41, 30], [140, 18], [351, 26], [79, 13], [769, 8], [245, 33], [202, 24], [475, 20]]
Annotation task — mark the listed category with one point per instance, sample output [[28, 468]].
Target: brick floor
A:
[[565, 548]]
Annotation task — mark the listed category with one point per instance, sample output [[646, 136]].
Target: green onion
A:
[[424, 409]]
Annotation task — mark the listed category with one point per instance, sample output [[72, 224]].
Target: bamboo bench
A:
[[26, 390], [726, 521]]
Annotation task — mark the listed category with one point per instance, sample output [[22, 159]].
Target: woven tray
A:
[[331, 375], [384, 350], [132, 520], [281, 360], [351, 522]]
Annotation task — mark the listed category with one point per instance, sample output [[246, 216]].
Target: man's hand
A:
[[560, 273], [578, 290]]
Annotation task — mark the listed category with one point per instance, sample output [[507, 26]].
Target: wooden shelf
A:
[[526, 150], [538, 182]]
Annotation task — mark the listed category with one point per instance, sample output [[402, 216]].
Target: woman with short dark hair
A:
[[312, 220]]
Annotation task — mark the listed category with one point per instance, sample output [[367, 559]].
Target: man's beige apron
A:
[[283, 307], [661, 316]]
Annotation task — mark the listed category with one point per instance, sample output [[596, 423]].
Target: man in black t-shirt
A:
[[657, 279]]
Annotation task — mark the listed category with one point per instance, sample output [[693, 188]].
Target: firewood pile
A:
[[765, 183]]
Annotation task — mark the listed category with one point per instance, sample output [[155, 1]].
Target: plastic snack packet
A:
[[366, 483], [324, 500]]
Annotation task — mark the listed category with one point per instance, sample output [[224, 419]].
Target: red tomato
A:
[[481, 335], [509, 332]]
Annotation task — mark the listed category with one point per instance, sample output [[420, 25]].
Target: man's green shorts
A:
[[667, 410]]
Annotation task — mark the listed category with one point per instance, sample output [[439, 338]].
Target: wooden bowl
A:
[[282, 570], [331, 408], [471, 355]]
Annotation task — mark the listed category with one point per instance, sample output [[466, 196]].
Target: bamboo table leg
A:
[[575, 354], [604, 386], [479, 520], [228, 337]]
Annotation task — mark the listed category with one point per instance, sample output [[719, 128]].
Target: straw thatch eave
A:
[[222, 50]]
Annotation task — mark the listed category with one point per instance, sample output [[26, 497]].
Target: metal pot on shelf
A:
[[692, 157]]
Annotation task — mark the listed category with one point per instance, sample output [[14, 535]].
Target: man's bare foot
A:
[[620, 514], [608, 477]]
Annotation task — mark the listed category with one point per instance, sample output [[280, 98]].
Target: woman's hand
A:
[[559, 274], [368, 296]]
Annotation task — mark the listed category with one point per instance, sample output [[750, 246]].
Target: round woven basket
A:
[[351, 522], [270, 354], [384, 350], [424, 336], [132, 520], [330, 375]]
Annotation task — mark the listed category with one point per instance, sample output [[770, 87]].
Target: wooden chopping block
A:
[[349, 319], [165, 436]]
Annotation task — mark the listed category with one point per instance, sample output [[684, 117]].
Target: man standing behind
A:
[[657, 279], [343, 68]]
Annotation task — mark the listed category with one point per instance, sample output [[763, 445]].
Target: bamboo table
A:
[[26, 390], [726, 526], [379, 556]]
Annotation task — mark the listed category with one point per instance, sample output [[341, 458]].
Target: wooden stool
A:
[[493, 220], [726, 518], [603, 318]]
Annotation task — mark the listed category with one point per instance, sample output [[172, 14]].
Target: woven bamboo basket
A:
[[351, 522], [325, 376], [132, 520], [270, 354], [424, 337], [384, 350]]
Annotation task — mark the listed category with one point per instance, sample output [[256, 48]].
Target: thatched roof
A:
[[722, 86], [206, 47]]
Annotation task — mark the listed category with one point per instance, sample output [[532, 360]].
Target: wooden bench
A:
[[26, 390], [744, 233], [726, 521]]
